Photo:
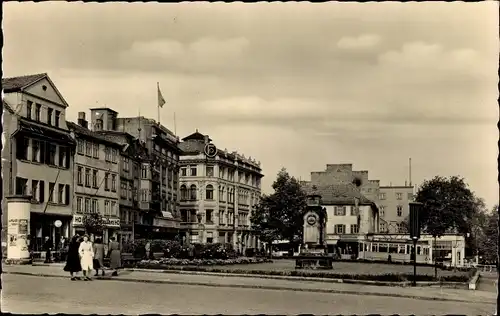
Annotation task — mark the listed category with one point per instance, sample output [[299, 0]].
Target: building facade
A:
[[394, 204], [350, 216], [217, 194], [96, 178], [38, 160], [155, 182]]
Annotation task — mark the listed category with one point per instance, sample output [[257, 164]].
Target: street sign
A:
[[210, 150], [415, 209]]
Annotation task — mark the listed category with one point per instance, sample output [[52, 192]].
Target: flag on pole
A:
[[161, 100]]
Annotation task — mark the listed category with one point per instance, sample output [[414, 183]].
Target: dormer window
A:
[[98, 124]]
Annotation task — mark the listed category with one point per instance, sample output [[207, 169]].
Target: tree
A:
[[280, 215], [488, 240], [448, 205], [93, 223]]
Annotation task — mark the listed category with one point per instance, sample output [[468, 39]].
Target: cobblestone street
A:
[[60, 295]]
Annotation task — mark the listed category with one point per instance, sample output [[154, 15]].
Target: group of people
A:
[[85, 256]]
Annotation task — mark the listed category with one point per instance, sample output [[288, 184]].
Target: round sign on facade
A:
[[311, 219], [58, 223], [210, 150]]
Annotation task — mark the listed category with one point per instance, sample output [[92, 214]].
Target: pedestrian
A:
[[115, 256], [98, 256], [86, 252], [73, 265], [63, 249], [47, 246], [147, 247]]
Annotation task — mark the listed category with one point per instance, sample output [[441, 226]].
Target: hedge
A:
[[174, 249], [388, 277], [169, 262]]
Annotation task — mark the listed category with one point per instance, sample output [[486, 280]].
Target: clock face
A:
[[311, 219], [210, 150]]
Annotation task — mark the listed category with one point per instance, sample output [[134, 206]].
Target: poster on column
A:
[[23, 227]]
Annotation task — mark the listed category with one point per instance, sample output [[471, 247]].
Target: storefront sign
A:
[[160, 222], [108, 222]]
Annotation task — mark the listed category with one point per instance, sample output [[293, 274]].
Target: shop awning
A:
[[167, 215]]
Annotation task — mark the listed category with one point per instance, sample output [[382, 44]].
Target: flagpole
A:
[[175, 126], [158, 86]]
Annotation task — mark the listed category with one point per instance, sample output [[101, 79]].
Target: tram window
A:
[[401, 248], [426, 251], [393, 248], [382, 248], [374, 247], [366, 247], [419, 250]]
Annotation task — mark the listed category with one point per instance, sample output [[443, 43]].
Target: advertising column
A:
[[18, 217]]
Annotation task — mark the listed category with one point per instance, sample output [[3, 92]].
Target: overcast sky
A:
[[293, 85]]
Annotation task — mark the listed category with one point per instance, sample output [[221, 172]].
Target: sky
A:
[[294, 85]]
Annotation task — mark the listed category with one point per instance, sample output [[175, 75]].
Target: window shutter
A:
[[66, 194], [41, 185], [42, 152]]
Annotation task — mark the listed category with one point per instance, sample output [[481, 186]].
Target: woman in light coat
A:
[[86, 252]]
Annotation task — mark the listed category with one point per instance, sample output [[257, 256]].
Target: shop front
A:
[[111, 226], [53, 226]]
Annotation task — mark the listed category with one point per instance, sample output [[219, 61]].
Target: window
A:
[[184, 172], [184, 193], [144, 171], [210, 171], [113, 209], [126, 164], [96, 151], [354, 211], [87, 177], [193, 171], [107, 208], [113, 182], [87, 205], [221, 217], [35, 154], [51, 154], [38, 110], [34, 190], [22, 144], [29, 108], [62, 156], [88, 148], [95, 206], [41, 192], [67, 194], [49, 116], [52, 185], [192, 193], [98, 124], [382, 196], [79, 176], [57, 118], [114, 155], [221, 172], [209, 216], [383, 227], [339, 229], [340, 211], [123, 190], [106, 181], [60, 194], [107, 154], [401, 227], [94, 179], [144, 195], [209, 192], [80, 146], [79, 204], [382, 210], [354, 229], [400, 210], [410, 196], [399, 196]]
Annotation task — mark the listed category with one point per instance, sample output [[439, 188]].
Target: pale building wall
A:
[[389, 203]]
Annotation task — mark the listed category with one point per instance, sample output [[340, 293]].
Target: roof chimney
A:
[[206, 139], [81, 120]]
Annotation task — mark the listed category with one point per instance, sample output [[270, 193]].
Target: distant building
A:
[[38, 158], [96, 178], [394, 205], [218, 194], [350, 216]]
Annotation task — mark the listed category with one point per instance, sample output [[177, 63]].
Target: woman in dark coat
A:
[[98, 256], [73, 260], [115, 256]]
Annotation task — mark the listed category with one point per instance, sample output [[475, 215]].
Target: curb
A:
[[243, 286]]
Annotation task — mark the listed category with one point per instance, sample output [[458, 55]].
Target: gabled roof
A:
[[196, 136], [337, 194], [15, 84], [86, 132]]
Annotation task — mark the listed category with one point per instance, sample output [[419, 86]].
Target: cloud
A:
[[360, 42]]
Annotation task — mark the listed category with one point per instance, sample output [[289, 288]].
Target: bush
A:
[[172, 262]]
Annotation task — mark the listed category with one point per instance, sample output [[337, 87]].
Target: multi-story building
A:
[[96, 177], [394, 205], [350, 216], [38, 159], [218, 193], [159, 172]]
